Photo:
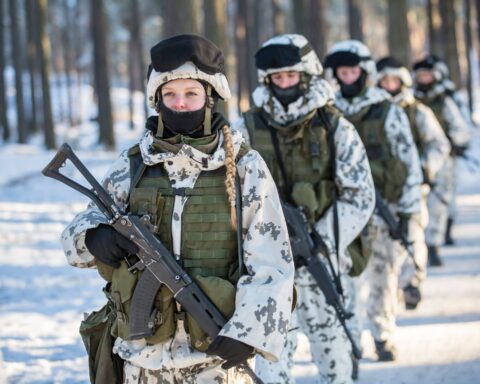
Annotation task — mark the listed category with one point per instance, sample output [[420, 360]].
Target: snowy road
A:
[[42, 299]]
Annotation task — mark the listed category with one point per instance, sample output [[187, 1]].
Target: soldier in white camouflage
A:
[[433, 88], [385, 132], [182, 174], [433, 148], [326, 173]]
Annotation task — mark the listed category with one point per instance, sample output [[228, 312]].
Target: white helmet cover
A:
[[186, 57], [288, 52], [432, 63], [392, 67], [351, 53]]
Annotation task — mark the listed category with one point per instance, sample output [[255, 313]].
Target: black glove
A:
[[403, 225], [233, 351], [108, 246], [459, 150]]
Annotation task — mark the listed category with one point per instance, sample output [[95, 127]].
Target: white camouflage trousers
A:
[[381, 279], [417, 225], [329, 346], [438, 210]]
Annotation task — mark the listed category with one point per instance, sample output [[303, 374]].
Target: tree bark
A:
[[101, 73], [451, 52], [67, 58], [43, 53], [317, 27], [435, 30], [300, 16], [241, 16], [355, 22], [215, 29], [398, 32], [18, 64], [31, 61], [180, 16], [469, 50], [278, 17], [3, 95]]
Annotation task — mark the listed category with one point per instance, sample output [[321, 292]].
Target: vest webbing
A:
[[437, 104], [411, 111], [389, 173], [305, 150]]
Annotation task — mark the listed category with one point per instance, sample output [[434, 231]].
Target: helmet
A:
[[289, 52], [350, 53], [391, 66], [186, 57], [434, 64]]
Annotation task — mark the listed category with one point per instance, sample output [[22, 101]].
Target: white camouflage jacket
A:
[[399, 135], [435, 144], [264, 294], [356, 199], [457, 128]]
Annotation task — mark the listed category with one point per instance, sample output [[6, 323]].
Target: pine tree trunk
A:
[[67, 59], [398, 32], [215, 26], [469, 50], [355, 22], [3, 95], [451, 52], [180, 16], [18, 64], [317, 27], [300, 16], [101, 73], [435, 30], [43, 53], [32, 59], [241, 16], [278, 17]]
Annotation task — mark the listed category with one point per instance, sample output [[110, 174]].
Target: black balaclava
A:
[[354, 89], [188, 123], [287, 95], [424, 87]]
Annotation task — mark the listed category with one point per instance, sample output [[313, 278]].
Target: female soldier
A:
[[183, 175], [319, 163]]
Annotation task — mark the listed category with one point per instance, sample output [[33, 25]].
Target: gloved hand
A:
[[459, 150], [233, 351], [108, 246]]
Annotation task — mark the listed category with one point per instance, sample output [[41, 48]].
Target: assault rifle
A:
[[393, 225], [305, 248], [157, 263]]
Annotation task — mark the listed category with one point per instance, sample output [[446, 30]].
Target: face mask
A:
[[424, 87], [183, 123], [354, 89], [287, 95]]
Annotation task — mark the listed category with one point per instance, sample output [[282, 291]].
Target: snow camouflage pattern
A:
[[328, 344], [265, 292], [459, 134], [383, 270], [435, 151]]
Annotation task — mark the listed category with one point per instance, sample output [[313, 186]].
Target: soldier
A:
[[433, 148], [183, 174], [384, 129], [430, 89], [319, 164]]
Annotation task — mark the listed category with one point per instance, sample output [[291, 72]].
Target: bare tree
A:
[[317, 26], [31, 60], [43, 53], [101, 73], [181, 16], [241, 16], [3, 98], [355, 22], [435, 31], [18, 64], [451, 50], [398, 32], [278, 17], [67, 57], [300, 16]]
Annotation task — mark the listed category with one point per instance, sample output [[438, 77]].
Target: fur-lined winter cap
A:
[[434, 64], [350, 53], [289, 52], [391, 66], [186, 57]]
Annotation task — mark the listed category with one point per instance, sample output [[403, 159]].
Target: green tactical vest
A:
[[208, 247], [411, 111], [306, 155], [389, 173]]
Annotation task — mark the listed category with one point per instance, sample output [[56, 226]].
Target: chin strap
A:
[[207, 122]]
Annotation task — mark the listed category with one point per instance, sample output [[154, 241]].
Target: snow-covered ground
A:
[[42, 299]]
